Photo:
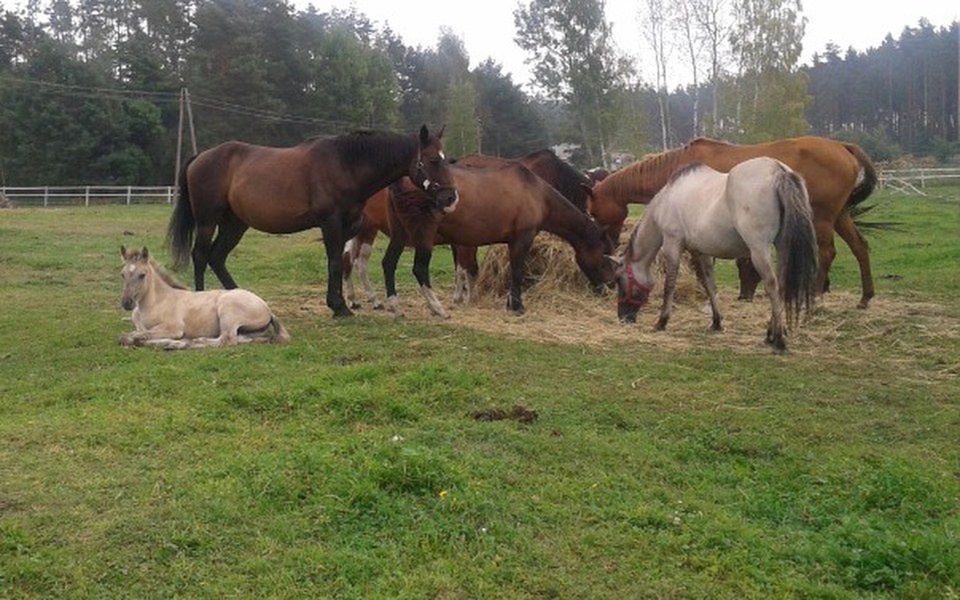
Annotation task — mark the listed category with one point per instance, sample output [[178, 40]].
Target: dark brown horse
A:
[[544, 163], [547, 166], [838, 176], [323, 182], [501, 205]]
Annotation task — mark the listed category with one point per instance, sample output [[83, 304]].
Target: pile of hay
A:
[[552, 271]]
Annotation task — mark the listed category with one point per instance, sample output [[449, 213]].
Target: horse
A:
[[543, 163], [838, 176], [323, 182], [169, 316], [761, 202], [506, 204]]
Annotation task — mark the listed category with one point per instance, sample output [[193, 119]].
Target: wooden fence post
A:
[[46, 195], [86, 196], [128, 195]]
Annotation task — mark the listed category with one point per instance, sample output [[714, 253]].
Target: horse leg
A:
[[762, 259], [349, 259], [827, 251], [749, 279], [201, 254], [671, 254], [458, 277], [519, 248], [848, 231], [704, 268], [229, 233], [390, 259], [333, 242], [363, 272], [421, 270]]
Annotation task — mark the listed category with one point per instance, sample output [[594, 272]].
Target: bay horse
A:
[[838, 176], [167, 315], [544, 163], [760, 203], [323, 182], [501, 205]]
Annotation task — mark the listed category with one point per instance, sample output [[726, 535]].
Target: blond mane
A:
[[166, 276]]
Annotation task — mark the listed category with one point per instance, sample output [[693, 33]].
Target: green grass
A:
[[346, 464]]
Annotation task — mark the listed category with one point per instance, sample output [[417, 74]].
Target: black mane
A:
[[372, 146]]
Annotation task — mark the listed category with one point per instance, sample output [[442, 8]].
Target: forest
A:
[[90, 89]]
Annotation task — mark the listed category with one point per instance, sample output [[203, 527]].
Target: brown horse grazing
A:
[[543, 163], [322, 182], [838, 176], [547, 166], [507, 204]]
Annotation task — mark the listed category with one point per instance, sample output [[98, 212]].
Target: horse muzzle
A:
[[127, 304], [452, 206]]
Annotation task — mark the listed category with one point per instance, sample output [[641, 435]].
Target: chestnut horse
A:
[[543, 163], [502, 205], [323, 182], [838, 175]]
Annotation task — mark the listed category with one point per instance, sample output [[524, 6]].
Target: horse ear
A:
[[123, 251], [587, 189], [442, 128], [144, 254], [424, 135]]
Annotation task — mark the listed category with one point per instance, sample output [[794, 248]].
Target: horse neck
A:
[[393, 168], [565, 220], [642, 179], [644, 244], [157, 291]]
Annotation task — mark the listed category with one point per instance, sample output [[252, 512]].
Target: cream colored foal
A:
[[167, 315]]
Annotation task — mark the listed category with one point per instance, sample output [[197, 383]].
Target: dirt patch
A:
[[518, 413]]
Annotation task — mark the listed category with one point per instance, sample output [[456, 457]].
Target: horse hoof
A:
[[517, 310], [661, 325], [743, 298], [716, 328], [342, 313], [863, 304], [354, 305]]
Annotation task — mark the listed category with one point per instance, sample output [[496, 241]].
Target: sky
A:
[[487, 28]]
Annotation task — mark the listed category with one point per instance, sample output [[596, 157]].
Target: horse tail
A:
[[182, 223], [867, 182], [280, 334], [796, 244]]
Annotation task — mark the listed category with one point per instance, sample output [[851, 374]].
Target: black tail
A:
[[869, 182], [796, 246], [182, 225]]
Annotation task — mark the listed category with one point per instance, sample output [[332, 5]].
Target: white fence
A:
[[909, 181], [89, 195], [914, 181]]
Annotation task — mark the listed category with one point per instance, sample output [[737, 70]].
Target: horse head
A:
[[431, 172], [632, 293], [135, 273]]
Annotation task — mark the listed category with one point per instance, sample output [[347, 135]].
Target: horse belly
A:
[[271, 206], [201, 319]]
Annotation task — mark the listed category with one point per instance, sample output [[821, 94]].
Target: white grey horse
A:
[[759, 204], [166, 315]]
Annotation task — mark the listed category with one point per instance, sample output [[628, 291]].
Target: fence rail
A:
[[89, 195], [914, 181]]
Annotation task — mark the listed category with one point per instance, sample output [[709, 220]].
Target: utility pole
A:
[[193, 132], [176, 169]]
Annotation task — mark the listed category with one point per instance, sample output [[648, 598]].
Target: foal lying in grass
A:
[[166, 315]]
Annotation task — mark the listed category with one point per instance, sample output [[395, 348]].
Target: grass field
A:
[[347, 463]]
